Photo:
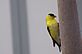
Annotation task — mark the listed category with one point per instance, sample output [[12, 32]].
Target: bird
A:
[[53, 30]]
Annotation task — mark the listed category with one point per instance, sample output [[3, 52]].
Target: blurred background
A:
[[39, 40]]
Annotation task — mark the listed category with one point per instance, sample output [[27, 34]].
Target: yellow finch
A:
[[53, 29]]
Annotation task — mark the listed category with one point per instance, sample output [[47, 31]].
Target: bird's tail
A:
[[59, 48], [53, 43]]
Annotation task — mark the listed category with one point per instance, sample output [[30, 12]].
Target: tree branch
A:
[[69, 29]]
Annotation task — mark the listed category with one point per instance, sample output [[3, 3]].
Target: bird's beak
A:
[[54, 16]]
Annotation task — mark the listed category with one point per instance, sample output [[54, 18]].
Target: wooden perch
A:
[[69, 29]]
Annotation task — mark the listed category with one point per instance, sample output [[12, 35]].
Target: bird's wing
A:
[[48, 30], [51, 36], [55, 41]]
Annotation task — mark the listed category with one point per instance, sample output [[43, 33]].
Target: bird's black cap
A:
[[51, 14]]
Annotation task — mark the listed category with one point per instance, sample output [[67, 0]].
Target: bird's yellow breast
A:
[[51, 21]]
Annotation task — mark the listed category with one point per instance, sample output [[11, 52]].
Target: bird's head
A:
[[51, 16]]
